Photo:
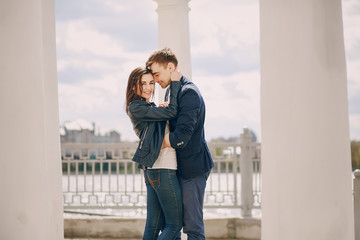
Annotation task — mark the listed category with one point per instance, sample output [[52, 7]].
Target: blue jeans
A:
[[164, 206], [193, 191]]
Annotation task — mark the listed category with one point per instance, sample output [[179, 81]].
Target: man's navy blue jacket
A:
[[187, 132]]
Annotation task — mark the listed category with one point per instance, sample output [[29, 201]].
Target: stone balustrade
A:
[[103, 176]]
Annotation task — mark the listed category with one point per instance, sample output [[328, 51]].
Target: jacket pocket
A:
[[190, 150], [143, 138], [142, 152]]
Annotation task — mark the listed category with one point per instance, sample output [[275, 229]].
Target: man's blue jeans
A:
[[164, 206], [193, 191]]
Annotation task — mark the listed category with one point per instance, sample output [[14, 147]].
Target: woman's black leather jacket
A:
[[149, 124]]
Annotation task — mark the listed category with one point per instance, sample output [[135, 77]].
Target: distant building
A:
[[234, 139], [82, 131]]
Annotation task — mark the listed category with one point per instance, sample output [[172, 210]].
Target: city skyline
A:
[[100, 42]]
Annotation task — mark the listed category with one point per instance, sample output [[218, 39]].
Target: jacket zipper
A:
[[142, 140]]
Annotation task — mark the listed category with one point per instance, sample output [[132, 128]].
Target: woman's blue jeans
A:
[[164, 205]]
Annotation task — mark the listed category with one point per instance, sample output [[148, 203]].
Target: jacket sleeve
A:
[[189, 108], [147, 112]]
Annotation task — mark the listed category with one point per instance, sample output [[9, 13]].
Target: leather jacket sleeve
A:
[[141, 110]]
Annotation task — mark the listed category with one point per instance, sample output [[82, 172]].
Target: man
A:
[[187, 137]]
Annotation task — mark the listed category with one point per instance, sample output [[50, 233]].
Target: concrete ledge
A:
[[103, 227], [121, 228]]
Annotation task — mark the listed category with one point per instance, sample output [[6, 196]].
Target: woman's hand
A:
[[164, 104], [166, 142], [175, 75]]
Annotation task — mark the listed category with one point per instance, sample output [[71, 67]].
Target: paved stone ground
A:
[[183, 237], [102, 229]]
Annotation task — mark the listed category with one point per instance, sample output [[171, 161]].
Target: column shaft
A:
[[173, 31], [304, 122], [30, 179]]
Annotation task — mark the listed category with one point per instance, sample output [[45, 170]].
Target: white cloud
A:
[[231, 100], [353, 70], [91, 63], [123, 6], [351, 19], [207, 46], [81, 37], [354, 120], [78, 124], [75, 100], [92, 97], [116, 6], [218, 29], [77, 39]]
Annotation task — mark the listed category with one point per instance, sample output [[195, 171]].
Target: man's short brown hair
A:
[[162, 57]]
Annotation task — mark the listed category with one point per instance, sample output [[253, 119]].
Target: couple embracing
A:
[[172, 149]]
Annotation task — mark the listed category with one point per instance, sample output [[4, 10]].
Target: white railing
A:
[[103, 176], [356, 195]]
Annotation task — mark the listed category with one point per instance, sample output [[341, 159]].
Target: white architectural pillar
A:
[[356, 184], [246, 173], [306, 166], [30, 179], [173, 31]]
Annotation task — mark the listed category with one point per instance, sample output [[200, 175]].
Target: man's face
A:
[[161, 74]]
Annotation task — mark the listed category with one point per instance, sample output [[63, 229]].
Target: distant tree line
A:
[[355, 155]]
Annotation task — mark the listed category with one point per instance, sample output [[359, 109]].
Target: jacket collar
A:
[[142, 100], [183, 80]]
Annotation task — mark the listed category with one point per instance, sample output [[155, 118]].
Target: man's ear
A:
[[171, 66]]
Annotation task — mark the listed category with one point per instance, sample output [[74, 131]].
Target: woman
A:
[[164, 206]]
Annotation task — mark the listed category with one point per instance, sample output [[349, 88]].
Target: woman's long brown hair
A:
[[134, 84]]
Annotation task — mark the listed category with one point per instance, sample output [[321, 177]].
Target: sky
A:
[[99, 42]]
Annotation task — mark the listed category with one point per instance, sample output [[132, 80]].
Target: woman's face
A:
[[147, 83]]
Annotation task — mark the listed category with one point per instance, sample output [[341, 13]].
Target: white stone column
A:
[[356, 184], [173, 31], [246, 173], [306, 166], [30, 179]]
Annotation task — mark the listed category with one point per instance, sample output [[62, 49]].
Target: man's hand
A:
[[166, 142]]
